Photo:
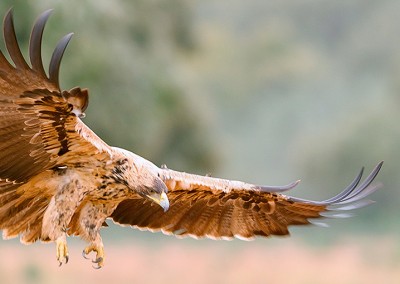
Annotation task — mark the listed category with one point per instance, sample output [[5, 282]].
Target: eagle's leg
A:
[[60, 211], [91, 219], [62, 250]]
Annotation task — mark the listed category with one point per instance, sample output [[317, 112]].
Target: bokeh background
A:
[[265, 91]]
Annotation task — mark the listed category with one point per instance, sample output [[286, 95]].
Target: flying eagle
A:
[[58, 179]]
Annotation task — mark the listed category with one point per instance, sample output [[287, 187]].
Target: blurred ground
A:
[[349, 261]]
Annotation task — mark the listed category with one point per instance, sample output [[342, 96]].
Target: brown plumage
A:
[[57, 178]]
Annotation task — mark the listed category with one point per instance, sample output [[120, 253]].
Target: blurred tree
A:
[[121, 52]]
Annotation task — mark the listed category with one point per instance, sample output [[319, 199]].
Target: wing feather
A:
[[55, 62], [35, 45], [207, 207], [12, 43], [39, 124]]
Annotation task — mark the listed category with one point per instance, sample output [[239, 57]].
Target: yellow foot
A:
[[99, 249], [62, 250]]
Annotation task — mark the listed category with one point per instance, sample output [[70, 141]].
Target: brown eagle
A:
[[58, 179]]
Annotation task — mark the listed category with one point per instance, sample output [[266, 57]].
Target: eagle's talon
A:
[[99, 260], [97, 267], [84, 254], [62, 251]]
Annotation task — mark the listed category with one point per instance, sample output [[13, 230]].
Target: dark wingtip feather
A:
[[35, 43], [266, 188], [354, 205], [11, 41], [366, 182], [352, 196], [55, 61], [348, 189], [9, 12]]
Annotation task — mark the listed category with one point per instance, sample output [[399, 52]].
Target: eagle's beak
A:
[[160, 199]]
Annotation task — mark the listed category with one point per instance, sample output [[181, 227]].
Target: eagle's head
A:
[[156, 191], [140, 176]]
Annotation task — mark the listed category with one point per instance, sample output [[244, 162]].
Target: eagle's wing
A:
[[222, 209], [39, 124]]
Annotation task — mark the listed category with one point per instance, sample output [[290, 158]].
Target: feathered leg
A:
[[59, 213], [91, 219]]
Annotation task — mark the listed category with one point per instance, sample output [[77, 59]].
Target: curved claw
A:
[[99, 260], [97, 267], [84, 254], [60, 262]]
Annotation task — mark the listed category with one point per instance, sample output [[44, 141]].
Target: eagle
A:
[[59, 179]]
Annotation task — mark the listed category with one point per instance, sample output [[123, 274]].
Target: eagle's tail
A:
[[19, 214]]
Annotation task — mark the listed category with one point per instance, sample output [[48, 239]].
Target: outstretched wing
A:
[[39, 124], [222, 209]]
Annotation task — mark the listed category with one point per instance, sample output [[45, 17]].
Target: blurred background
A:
[[262, 91]]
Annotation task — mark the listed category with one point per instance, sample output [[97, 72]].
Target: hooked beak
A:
[[160, 199]]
